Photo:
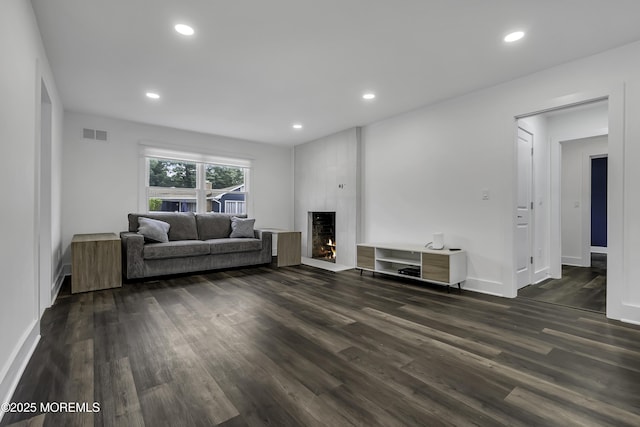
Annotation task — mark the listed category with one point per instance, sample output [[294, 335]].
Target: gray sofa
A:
[[197, 242]]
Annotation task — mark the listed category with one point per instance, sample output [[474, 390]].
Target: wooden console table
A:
[[96, 262], [445, 267]]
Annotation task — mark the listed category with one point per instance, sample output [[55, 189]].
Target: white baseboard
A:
[[484, 286], [12, 372], [573, 261], [58, 284], [630, 313], [599, 250], [541, 275]]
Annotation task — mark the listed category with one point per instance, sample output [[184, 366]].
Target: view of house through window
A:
[[226, 189], [184, 186]]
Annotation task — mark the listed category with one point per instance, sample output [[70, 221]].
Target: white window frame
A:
[[201, 160]]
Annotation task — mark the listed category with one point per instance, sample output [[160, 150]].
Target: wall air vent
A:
[[99, 135]]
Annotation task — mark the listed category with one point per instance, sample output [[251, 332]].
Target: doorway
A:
[[565, 271], [584, 288], [44, 249]]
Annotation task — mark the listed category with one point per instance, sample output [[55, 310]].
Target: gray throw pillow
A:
[[153, 230], [242, 227]]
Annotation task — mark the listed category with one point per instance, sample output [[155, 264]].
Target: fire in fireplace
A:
[[322, 235]]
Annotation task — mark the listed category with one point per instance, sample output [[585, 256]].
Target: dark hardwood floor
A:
[[580, 287], [299, 346]]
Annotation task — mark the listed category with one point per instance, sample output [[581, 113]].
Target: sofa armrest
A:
[[132, 254], [266, 251]]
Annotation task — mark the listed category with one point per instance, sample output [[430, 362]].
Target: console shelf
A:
[[444, 267], [398, 261]]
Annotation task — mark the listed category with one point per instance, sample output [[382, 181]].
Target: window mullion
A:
[[147, 190], [201, 197]]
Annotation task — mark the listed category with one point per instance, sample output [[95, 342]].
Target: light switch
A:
[[485, 194]]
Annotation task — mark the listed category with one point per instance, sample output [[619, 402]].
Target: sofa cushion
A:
[[213, 225], [242, 227], [154, 230], [176, 249], [230, 245], [183, 224]]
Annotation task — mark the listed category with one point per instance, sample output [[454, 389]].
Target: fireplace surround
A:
[[326, 177]]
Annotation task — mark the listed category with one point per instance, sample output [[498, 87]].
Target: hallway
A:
[[580, 287]]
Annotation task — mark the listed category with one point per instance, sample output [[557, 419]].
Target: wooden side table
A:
[[96, 262], [287, 246]]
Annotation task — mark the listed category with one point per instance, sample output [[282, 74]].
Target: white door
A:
[[524, 261]]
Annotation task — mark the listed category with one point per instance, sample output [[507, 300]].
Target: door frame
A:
[[42, 220]]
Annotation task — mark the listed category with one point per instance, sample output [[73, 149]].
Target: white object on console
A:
[[438, 241]]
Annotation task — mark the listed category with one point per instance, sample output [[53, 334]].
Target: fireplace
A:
[[322, 235]]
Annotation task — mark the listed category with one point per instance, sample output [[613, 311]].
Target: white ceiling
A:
[[255, 67]]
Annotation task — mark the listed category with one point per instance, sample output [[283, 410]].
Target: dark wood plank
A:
[[37, 421], [117, 394]]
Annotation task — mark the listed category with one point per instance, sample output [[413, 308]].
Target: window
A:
[[172, 186], [200, 185]]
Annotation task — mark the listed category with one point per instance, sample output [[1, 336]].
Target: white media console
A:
[[444, 267]]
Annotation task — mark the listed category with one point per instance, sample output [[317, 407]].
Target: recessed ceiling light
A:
[[297, 126], [369, 95], [152, 95], [515, 36], [185, 30]]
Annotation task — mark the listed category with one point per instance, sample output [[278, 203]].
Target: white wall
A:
[[320, 167], [434, 162], [24, 66], [576, 198], [101, 179], [425, 171], [573, 123]]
